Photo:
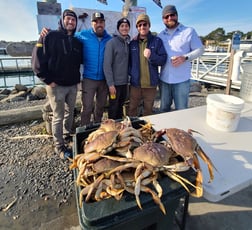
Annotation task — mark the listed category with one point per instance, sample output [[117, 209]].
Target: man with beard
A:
[[93, 83], [146, 54], [56, 60], [115, 67], [182, 45]]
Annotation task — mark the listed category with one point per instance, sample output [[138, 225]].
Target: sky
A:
[[18, 19]]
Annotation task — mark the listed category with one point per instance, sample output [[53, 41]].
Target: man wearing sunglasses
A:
[[182, 45], [147, 53]]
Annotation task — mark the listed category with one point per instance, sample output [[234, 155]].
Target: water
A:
[[9, 80]]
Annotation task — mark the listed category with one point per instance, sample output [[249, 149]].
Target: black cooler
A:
[[111, 214]]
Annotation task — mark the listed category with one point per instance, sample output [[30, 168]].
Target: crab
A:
[[105, 126], [186, 146], [157, 157], [148, 160], [119, 140]]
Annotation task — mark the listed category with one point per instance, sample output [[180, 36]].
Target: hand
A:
[[44, 31], [177, 60], [112, 90], [79, 86], [147, 53], [53, 84]]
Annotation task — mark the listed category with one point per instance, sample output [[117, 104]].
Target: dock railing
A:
[[213, 68], [16, 70], [15, 64]]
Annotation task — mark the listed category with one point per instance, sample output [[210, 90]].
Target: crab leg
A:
[[122, 167], [155, 198], [199, 178], [93, 186], [74, 162], [83, 192], [181, 180], [100, 194], [155, 183], [177, 167], [81, 171], [208, 161], [140, 174]]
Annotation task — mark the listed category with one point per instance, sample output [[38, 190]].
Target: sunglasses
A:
[[169, 15], [142, 24]]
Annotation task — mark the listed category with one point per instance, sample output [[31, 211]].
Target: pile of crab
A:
[[118, 158]]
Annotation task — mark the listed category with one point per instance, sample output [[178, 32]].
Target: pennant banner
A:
[[158, 2], [103, 1]]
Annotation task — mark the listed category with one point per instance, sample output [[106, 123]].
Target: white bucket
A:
[[246, 82], [223, 111]]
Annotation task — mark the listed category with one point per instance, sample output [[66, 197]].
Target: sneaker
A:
[[64, 153], [68, 140]]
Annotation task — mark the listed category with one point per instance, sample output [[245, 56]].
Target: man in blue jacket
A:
[[147, 53], [93, 83]]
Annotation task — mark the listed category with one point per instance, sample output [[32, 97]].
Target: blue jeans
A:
[[179, 93]]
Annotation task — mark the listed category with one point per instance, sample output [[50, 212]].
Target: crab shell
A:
[[158, 154], [106, 126], [181, 142], [103, 142]]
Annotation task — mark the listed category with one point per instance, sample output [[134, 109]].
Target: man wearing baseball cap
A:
[[93, 78]]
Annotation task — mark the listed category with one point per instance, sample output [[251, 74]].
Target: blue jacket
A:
[[158, 58], [93, 53]]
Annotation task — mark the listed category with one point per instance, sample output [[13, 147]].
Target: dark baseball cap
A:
[[97, 15]]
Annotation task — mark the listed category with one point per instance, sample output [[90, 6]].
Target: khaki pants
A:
[[139, 95], [62, 100]]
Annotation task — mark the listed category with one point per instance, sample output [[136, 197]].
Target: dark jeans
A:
[[115, 110], [94, 98], [137, 95]]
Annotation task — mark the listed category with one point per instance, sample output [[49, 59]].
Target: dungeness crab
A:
[[186, 146], [149, 160]]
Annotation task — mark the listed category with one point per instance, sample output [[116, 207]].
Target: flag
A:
[[158, 2], [103, 1]]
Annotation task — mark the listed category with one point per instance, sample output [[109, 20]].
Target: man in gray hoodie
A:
[[115, 67]]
